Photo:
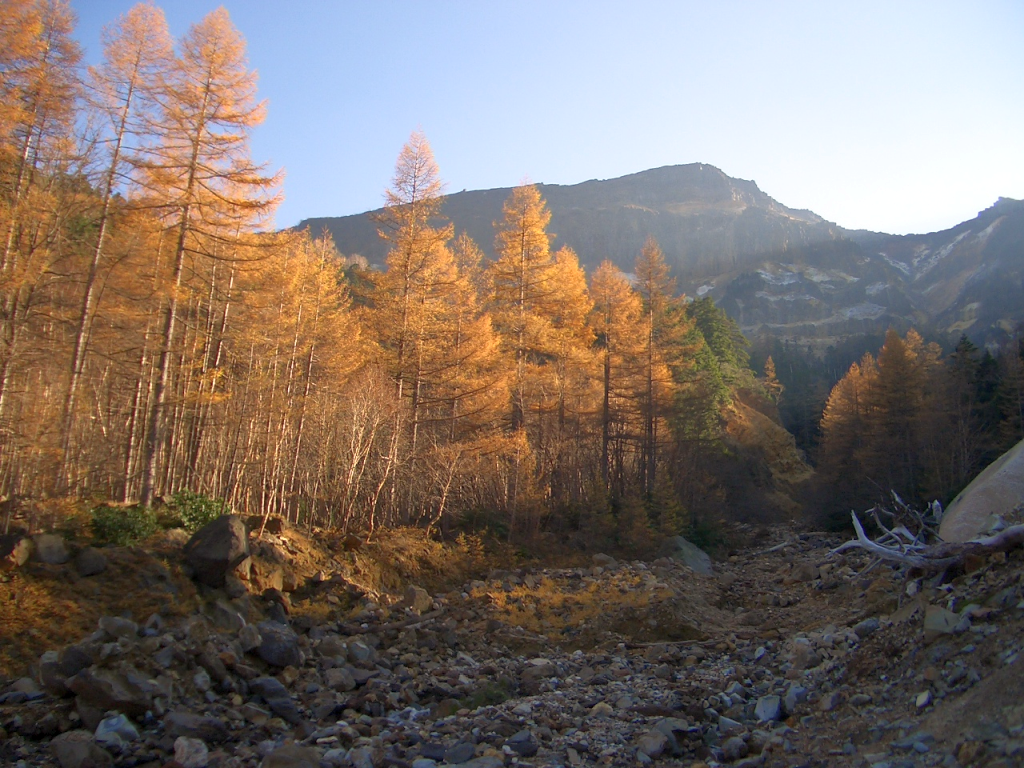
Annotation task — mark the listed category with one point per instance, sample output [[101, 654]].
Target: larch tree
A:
[[199, 175], [419, 268], [900, 407], [524, 293], [664, 329], [137, 54], [616, 320], [39, 99], [845, 437], [571, 397]]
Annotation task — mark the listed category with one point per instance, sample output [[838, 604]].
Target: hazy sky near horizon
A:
[[892, 116]]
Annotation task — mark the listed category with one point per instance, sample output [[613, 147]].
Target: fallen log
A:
[[932, 558]]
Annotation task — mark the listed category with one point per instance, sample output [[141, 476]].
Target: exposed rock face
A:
[[216, 549], [996, 491], [774, 269]]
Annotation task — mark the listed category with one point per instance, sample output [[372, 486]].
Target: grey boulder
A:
[[216, 549]]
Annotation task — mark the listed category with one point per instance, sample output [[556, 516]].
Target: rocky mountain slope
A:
[[775, 269], [785, 655], [706, 222]]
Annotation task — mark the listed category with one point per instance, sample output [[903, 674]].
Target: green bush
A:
[[196, 510], [121, 526]]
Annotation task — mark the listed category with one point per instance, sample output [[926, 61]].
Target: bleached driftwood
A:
[[900, 545]]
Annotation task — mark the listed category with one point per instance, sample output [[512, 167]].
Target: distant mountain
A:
[[965, 280], [704, 220], [775, 269]]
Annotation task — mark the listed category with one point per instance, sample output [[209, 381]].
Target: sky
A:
[[896, 117]]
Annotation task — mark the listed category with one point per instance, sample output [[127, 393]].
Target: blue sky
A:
[[892, 116]]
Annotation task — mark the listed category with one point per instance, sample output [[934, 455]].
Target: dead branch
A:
[[901, 546]]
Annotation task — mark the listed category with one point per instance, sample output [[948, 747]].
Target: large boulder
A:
[[996, 491], [689, 554], [51, 549], [90, 562], [216, 549], [110, 689]]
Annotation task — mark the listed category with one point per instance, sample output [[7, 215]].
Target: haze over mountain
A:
[[775, 269]]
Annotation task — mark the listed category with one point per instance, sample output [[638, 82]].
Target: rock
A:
[[234, 587], [292, 756], [461, 752], [359, 651], [277, 698], [734, 748], [279, 645], [604, 561], [339, 679], [216, 549], [670, 726], [89, 714], [432, 751], [417, 599], [867, 627], [523, 743], [768, 709], [249, 638], [90, 562], [51, 549], [225, 616], [487, 761], [795, 695], [190, 753], [55, 668], [116, 627], [652, 743], [997, 490], [804, 572], [923, 699], [939, 621], [15, 551], [266, 575], [361, 757], [76, 749], [728, 726], [209, 729], [830, 701], [50, 674], [109, 689], [689, 554], [290, 580], [116, 732]]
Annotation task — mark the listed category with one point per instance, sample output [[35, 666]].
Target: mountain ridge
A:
[[777, 270]]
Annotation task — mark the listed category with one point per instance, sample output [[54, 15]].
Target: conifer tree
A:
[[39, 100], [198, 175], [665, 327], [137, 56], [616, 320], [524, 294]]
